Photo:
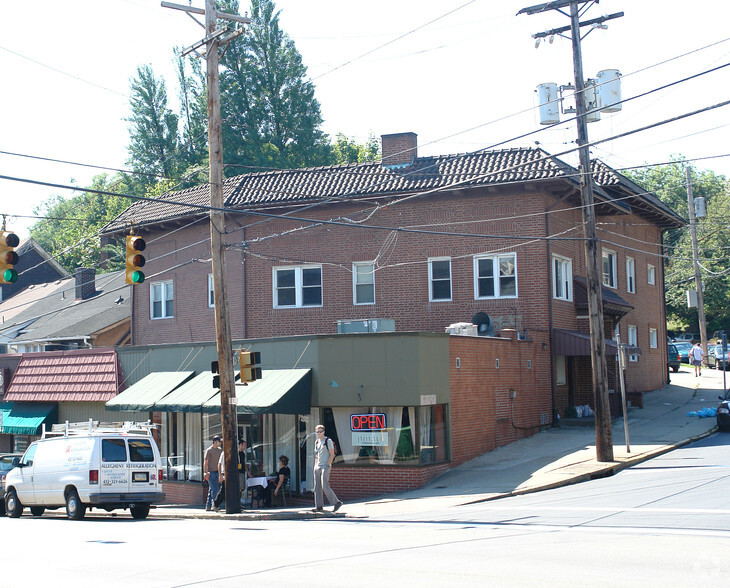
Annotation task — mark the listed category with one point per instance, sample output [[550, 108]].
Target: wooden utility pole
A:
[[604, 433], [702, 322], [213, 40]]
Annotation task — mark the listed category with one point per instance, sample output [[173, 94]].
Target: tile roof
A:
[[88, 375], [352, 181]]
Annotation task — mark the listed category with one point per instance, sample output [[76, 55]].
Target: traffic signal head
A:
[[135, 259], [247, 361], [8, 258]]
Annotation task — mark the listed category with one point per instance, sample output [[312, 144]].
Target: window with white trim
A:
[[630, 275], [211, 297], [653, 339], [439, 279], [297, 286], [161, 300], [609, 268], [633, 340], [495, 276], [363, 282], [650, 274], [562, 278]]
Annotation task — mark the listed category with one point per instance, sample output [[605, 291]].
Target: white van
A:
[[87, 465]]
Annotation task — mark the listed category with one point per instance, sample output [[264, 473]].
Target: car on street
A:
[[673, 360], [723, 412], [684, 348], [6, 464], [716, 358], [686, 337]]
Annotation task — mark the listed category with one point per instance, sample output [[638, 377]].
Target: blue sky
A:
[[463, 82]]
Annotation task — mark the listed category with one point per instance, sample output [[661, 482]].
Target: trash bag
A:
[[704, 413]]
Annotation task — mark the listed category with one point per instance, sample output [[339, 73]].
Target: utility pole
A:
[[696, 266], [213, 40], [604, 433]]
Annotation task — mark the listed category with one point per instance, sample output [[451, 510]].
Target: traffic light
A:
[[216, 375], [247, 360], [8, 258], [135, 259]]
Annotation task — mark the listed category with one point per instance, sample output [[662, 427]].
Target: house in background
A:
[[415, 245], [35, 266]]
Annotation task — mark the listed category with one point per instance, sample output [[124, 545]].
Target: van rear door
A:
[[144, 465], [114, 475]]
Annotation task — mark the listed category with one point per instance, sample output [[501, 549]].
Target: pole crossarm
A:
[[555, 5], [218, 13], [586, 23]]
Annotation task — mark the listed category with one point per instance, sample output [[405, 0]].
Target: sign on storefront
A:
[[369, 430]]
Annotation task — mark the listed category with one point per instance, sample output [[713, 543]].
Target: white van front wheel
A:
[[12, 504], [75, 510]]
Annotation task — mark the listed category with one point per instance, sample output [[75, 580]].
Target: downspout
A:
[[244, 281]]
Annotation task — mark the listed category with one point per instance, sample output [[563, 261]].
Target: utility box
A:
[[547, 96]]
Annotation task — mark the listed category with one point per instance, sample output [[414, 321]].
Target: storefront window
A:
[[411, 435]]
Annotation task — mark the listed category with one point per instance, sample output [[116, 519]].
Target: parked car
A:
[[673, 360], [684, 348], [6, 464], [723, 412], [716, 358], [83, 466], [687, 337]]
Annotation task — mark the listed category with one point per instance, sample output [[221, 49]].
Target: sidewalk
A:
[[556, 457]]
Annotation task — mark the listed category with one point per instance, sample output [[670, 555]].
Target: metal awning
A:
[[277, 392], [572, 343], [150, 389], [26, 418], [189, 397]]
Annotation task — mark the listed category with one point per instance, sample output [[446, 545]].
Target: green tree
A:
[[70, 226], [193, 111], [153, 146], [271, 116], [669, 183], [345, 150]]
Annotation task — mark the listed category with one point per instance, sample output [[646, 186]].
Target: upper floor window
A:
[[651, 274], [439, 278], [161, 300], [298, 286], [211, 297], [653, 339], [495, 276], [363, 282], [562, 278], [630, 275], [609, 269]]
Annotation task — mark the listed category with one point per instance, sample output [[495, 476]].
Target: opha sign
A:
[[367, 422]]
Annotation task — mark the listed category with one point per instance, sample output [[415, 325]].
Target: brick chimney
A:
[[399, 149], [85, 279]]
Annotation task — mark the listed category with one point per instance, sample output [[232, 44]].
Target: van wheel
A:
[[37, 511], [75, 510], [12, 505], [140, 512]]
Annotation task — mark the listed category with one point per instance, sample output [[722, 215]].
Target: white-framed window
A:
[[562, 278], [653, 339], [363, 282], [561, 377], [630, 275], [650, 274], [297, 286], [211, 297], [161, 300], [633, 340], [609, 268], [439, 278], [495, 276]]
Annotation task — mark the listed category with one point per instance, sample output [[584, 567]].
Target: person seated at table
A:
[[277, 482]]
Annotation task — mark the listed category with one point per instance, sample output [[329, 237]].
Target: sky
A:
[[461, 74]]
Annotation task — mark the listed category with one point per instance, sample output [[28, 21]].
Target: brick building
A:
[[420, 243]]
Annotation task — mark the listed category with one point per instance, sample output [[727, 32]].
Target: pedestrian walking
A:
[[696, 355], [324, 455], [210, 468], [220, 498]]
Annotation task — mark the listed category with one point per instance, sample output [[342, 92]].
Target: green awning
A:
[[189, 397], [150, 389], [26, 418], [277, 392]]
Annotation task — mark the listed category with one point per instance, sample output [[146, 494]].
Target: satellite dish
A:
[[485, 328]]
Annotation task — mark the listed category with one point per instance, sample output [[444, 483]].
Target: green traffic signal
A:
[[10, 276]]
